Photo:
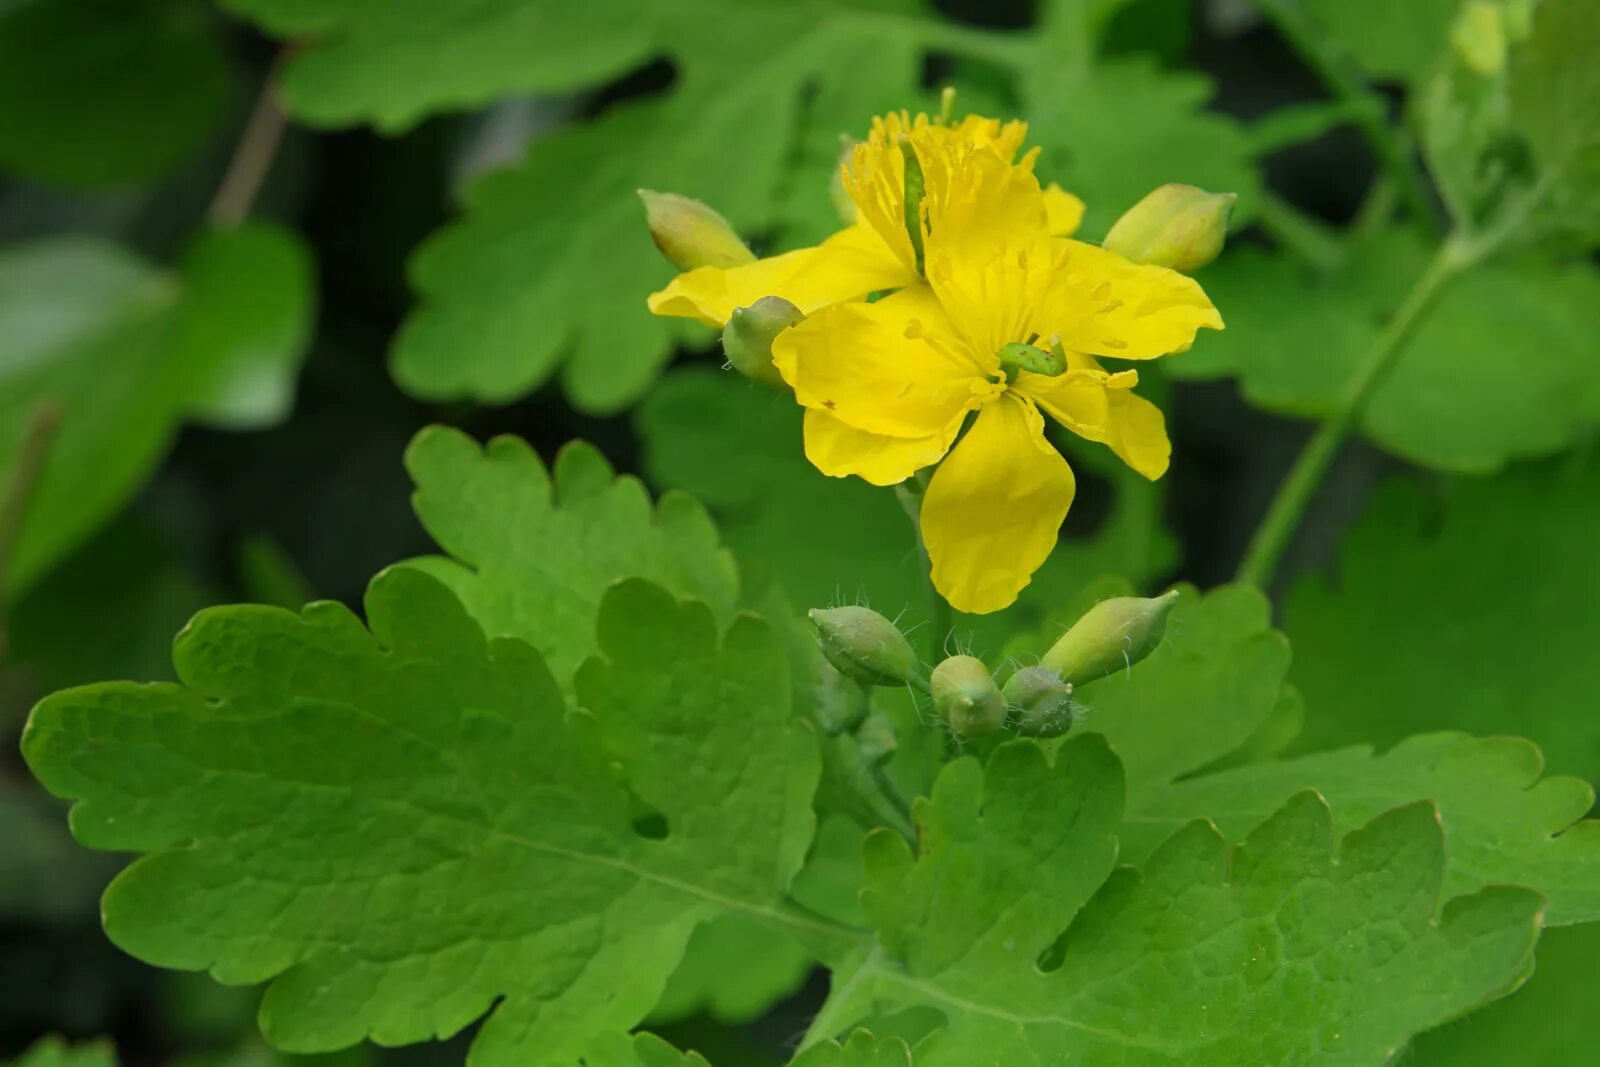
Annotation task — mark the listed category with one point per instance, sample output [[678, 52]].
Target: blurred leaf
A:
[[1550, 1022], [109, 612], [1453, 400], [637, 1050], [129, 353], [1284, 950], [55, 1052], [734, 970], [1130, 127], [268, 575], [517, 287], [1391, 40], [106, 92], [1555, 95], [531, 556], [400, 828], [1460, 617], [1503, 823], [738, 447], [45, 879]]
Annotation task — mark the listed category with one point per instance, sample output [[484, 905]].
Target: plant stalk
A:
[[253, 155], [43, 422], [1294, 494], [940, 620]]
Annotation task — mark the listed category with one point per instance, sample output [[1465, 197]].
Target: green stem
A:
[[253, 155], [1294, 494], [895, 800], [37, 437], [1367, 108], [940, 622]]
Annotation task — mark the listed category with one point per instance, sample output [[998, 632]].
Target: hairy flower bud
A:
[[748, 337], [841, 704], [1177, 226], [965, 694], [865, 646], [1040, 702], [1113, 635], [691, 234]]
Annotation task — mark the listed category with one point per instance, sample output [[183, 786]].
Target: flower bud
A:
[[864, 646], [691, 234], [1177, 226], [965, 694], [1040, 702], [1112, 636], [748, 337]]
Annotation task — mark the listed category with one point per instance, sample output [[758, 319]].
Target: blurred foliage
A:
[[203, 412]]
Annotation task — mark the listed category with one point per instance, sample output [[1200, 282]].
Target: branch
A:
[[253, 155]]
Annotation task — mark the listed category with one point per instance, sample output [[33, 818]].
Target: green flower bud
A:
[[1112, 636], [748, 337], [1176, 226], [1041, 703], [864, 645], [965, 694], [691, 234]]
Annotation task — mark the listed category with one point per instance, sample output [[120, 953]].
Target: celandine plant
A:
[[581, 774]]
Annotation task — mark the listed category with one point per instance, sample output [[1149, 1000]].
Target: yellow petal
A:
[[1064, 210], [847, 266], [1103, 407], [891, 368], [988, 246], [993, 510], [1099, 302], [839, 450], [876, 180]]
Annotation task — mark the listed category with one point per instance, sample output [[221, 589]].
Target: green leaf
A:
[[1448, 614], [739, 448], [106, 92], [516, 289], [400, 828], [1502, 823], [1550, 1022], [1391, 40], [637, 1050], [1555, 96], [531, 556], [862, 1049], [1130, 127], [1451, 402], [55, 1052], [1284, 950], [1212, 684], [734, 970], [129, 353]]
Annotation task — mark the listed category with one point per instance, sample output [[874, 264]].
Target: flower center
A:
[[1022, 356]]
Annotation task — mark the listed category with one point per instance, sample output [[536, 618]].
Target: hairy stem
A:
[[1300, 484], [1367, 108], [37, 437], [253, 155]]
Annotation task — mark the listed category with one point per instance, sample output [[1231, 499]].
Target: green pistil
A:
[[915, 188], [1018, 357]]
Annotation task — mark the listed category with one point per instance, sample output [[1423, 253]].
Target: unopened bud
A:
[[748, 337], [1177, 226], [864, 646], [1040, 702], [965, 694], [691, 234], [1112, 636]]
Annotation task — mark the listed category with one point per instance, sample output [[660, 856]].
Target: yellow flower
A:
[[888, 385], [875, 253]]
